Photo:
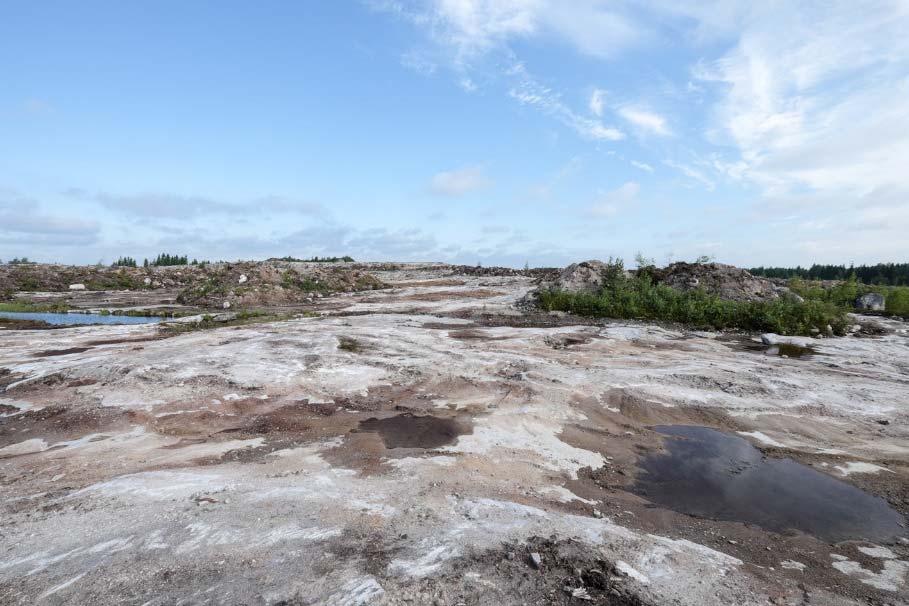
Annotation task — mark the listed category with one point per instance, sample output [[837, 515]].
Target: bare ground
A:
[[416, 446]]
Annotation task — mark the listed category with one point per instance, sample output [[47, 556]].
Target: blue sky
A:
[[493, 131]]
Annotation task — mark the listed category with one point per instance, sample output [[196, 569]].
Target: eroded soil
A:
[[434, 442]]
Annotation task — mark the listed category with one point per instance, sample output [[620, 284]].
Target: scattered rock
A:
[[242, 279], [77, 286]]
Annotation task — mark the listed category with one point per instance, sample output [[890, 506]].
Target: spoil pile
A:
[[724, 281], [219, 285], [273, 283]]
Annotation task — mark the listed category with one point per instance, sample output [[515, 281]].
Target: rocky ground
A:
[[432, 442]]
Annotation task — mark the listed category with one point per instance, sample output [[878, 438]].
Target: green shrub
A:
[[640, 298]]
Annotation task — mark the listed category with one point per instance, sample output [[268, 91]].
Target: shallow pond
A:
[[77, 318], [710, 474]]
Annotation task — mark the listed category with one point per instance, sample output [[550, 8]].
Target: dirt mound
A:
[[724, 281], [586, 276], [251, 284], [209, 285]]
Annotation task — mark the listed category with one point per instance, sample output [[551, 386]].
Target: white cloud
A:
[[468, 30], [692, 173], [22, 222], [163, 205], [596, 102], [611, 202], [459, 182], [642, 165], [529, 91], [815, 97], [647, 121]]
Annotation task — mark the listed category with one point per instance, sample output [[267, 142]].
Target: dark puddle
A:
[[709, 474], [787, 350], [412, 431]]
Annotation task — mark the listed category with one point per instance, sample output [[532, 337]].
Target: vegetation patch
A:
[[29, 307], [638, 297], [844, 294], [349, 344]]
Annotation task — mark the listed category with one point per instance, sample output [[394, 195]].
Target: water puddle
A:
[[412, 431], [788, 350], [785, 350], [709, 474], [77, 318]]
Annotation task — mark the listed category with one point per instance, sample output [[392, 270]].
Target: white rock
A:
[[227, 305], [242, 279], [535, 560], [77, 286]]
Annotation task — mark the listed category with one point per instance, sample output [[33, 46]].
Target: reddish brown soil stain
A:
[[82, 382], [469, 334], [446, 295], [47, 353], [419, 283], [446, 326], [155, 337]]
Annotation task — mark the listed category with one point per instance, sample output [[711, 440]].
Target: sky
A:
[[501, 132]]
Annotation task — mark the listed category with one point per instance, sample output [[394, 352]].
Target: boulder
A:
[[871, 301], [77, 286]]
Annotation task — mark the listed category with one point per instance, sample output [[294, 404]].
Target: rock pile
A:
[[212, 285], [586, 276], [724, 281]]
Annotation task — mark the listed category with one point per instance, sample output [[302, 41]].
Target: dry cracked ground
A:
[[434, 444]]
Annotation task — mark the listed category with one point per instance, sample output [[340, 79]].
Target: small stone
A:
[[535, 560]]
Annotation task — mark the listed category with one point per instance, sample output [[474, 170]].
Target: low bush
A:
[[844, 294], [640, 298]]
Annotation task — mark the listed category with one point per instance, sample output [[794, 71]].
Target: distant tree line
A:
[[345, 258], [884, 274], [165, 259], [20, 261], [125, 262]]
